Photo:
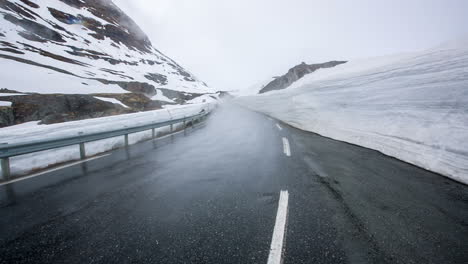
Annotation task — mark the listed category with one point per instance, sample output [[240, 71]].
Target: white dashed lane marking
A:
[[279, 232], [286, 147], [279, 127]]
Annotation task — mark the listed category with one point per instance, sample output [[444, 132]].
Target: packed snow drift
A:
[[411, 106]]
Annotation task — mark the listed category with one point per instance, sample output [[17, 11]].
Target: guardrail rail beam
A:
[[16, 149]]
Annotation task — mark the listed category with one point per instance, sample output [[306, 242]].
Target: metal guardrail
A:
[[16, 149]]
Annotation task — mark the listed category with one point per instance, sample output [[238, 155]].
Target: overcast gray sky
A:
[[236, 43]]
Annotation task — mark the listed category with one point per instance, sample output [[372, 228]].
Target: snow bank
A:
[[412, 106], [32, 131], [5, 103]]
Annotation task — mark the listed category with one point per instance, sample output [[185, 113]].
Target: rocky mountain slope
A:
[[296, 73], [85, 51]]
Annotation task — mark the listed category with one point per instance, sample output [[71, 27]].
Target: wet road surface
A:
[[211, 196]]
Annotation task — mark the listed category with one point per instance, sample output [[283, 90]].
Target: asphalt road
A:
[[211, 196]]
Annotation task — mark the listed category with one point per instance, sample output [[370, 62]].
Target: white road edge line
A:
[[51, 170], [279, 127], [279, 232], [286, 148]]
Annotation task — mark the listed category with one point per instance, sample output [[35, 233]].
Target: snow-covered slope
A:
[[82, 46], [412, 106]]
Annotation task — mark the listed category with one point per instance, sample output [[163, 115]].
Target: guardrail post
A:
[[6, 168], [82, 148], [126, 140], [172, 128], [82, 151], [153, 133]]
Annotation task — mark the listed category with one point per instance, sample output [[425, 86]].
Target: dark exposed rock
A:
[[63, 17], [138, 102], [1, 35], [179, 97], [12, 50], [55, 108], [5, 90], [95, 55], [187, 76], [6, 116], [134, 87], [56, 26], [152, 62], [157, 78], [138, 87], [32, 37], [100, 37], [118, 73], [90, 73], [35, 64], [83, 52], [52, 55], [297, 73], [155, 104], [24, 12], [31, 4], [35, 28], [122, 29], [127, 32], [8, 44]]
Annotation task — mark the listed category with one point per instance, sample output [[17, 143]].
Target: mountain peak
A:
[[86, 47], [296, 73]]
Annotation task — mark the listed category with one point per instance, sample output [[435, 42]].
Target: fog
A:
[[234, 44]]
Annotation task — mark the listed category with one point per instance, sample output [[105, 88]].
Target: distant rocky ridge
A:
[[97, 49], [295, 74]]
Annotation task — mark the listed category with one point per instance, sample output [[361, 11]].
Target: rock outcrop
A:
[[55, 108], [6, 116], [295, 74]]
